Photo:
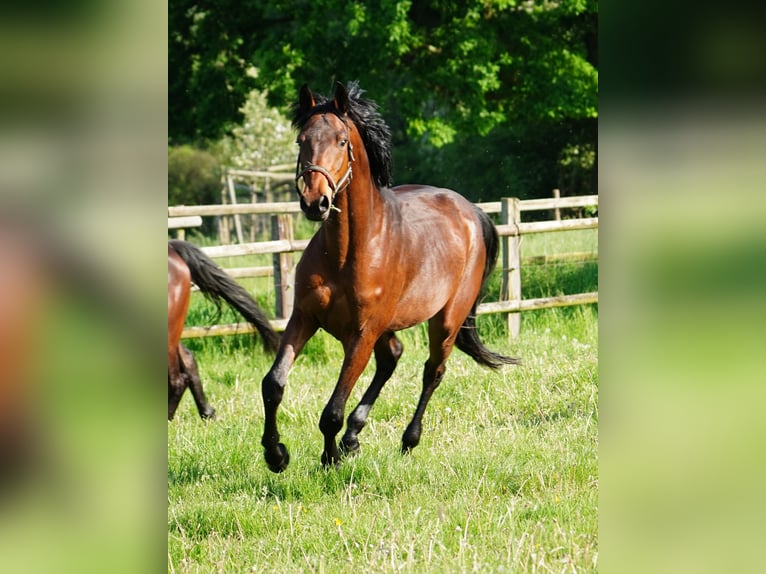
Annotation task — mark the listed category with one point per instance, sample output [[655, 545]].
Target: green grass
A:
[[504, 479]]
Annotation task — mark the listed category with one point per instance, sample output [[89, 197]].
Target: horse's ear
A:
[[341, 98], [306, 100]]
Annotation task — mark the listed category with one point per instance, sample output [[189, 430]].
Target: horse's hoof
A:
[[349, 448], [208, 415], [277, 461], [410, 440], [329, 461]]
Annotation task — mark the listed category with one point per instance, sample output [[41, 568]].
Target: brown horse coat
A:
[[383, 260]]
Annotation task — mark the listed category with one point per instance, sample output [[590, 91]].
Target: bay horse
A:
[[384, 259], [187, 263]]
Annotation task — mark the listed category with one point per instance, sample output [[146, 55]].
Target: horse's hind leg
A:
[[441, 342], [388, 349], [195, 384], [176, 385]]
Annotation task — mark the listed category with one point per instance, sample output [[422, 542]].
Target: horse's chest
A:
[[335, 307]]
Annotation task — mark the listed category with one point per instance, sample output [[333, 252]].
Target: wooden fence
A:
[[283, 247]]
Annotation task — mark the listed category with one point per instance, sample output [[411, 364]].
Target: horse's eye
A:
[[343, 142]]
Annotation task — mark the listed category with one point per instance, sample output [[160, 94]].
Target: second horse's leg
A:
[[176, 384], [195, 384]]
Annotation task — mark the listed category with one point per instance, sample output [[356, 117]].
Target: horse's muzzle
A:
[[317, 210]]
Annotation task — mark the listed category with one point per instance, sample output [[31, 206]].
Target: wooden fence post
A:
[[556, 210], [223, 221], [510, 214], [233, 198], [284, 268]]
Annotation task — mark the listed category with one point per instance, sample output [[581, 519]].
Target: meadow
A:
[[505, 478]]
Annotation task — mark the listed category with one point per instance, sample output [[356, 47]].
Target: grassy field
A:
[[504, 479]]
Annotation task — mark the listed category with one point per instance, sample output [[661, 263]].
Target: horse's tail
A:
[[216, 285], [468, 337]]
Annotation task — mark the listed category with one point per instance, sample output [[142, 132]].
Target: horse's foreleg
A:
[[195, 384], [298, 331], [388, 349], [357, 355]]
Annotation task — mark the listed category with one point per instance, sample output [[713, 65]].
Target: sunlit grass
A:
[[504, 479]]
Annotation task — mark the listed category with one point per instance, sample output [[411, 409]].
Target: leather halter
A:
[[336, 187]]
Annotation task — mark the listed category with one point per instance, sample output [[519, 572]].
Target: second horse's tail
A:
[[468, 337], [217, 285]]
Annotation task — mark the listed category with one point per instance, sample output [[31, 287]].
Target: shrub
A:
[[194, 177]]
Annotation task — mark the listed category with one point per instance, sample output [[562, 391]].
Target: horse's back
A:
[[436, 217], [439, 204]]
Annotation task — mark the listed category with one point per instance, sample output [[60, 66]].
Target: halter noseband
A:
[[336, 187]]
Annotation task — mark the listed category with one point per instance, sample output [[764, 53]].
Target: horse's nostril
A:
[[324, 204]]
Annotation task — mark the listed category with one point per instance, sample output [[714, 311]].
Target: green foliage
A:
[[263, 139], [439, 66], [194, 177], [446, 75], [523, 160]]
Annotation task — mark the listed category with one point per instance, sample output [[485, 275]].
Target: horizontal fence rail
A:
[[282, 246], [294, 206], [482, 309]]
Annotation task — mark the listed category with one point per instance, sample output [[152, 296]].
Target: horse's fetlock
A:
[[331, 421]]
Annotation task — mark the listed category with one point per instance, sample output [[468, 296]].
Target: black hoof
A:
[[278, 460], [330, 461], [208, 415], [348, 447], [410, 440]]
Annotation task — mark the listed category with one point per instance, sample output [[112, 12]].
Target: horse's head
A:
[[326, 153]]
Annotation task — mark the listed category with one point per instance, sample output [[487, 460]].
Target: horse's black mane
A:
[[373, 129]]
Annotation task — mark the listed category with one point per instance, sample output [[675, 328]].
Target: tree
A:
[[194, 177], [264, 138], [445, 73]]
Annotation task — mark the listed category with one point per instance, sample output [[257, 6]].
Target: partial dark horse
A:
[[384, 259], [187, 263]]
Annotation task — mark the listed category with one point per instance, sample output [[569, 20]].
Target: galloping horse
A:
[[383, 260], [187, 263]]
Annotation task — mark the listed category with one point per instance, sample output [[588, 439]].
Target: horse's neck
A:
[[350, 228]]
